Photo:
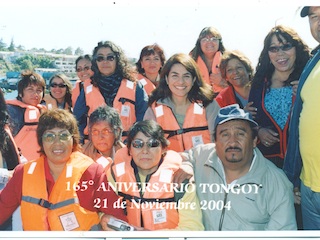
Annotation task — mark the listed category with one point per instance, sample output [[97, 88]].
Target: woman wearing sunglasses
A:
[[59, 96], [281, 62], [105, 130], [273, 89], [58, 191], [183, 104], [80, 110], [143, 173], [113, 83]]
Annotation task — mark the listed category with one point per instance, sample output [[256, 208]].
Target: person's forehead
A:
[[32, 85], [314, 9], [235, 122]]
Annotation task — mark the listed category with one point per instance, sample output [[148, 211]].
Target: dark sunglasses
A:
[[86, 68], [109, 58], [60, 85], [151, 143], [284, 47]]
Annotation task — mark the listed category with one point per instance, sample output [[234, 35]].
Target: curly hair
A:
[[58, 118], [235, 54], [265, 68], [109, 115], [200, 90], [123, 67]]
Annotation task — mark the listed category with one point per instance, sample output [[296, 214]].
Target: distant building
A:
[[64, 63]]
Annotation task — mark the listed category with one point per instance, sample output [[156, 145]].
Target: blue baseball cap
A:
[[305, 11], [233, 112]]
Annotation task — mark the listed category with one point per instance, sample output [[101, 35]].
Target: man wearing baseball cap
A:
[[238, 188], [302, 161]]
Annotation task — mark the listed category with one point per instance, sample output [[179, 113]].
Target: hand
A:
[[185, 172], [252, 110], [267, 136], [294, 86], [297, 195], [104, 222]]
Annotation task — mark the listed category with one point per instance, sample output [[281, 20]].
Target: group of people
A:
[[195, 142]]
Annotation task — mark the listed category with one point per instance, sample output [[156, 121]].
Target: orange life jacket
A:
[[146, 83], [26, 139], [193, 132], [51, 103], [124, 102], [143, 209], [214, 69], [61, 210]]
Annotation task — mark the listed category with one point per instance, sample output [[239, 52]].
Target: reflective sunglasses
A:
[[109, 58], [212, 39], [284, 47], [51, 137], [60, 85], [104, 132], [86, 68], [151, 143]]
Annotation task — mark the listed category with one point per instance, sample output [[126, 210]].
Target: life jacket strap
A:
[[46, 204], [184, 130]]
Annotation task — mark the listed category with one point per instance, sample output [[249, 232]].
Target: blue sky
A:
[[132, 24]]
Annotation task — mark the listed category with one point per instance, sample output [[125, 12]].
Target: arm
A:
[[281, 205], [99, 196], [141, 104], [10, 196], [80, 111], [190, 215], [212, 111]]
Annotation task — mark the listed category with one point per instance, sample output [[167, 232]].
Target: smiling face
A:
[[59, 150], [283, 61], [146, 158], [234, 144], [84, 69], [106, 67], [236, 73], [180, 81], [58, 92], [209, 45]]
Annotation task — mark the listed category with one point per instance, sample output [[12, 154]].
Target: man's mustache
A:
[[233, 148]]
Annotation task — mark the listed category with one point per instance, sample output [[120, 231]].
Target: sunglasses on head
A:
[[284, 47], [109, 58], [86, 68], [151, 143], [51, 137], [60, 85]]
